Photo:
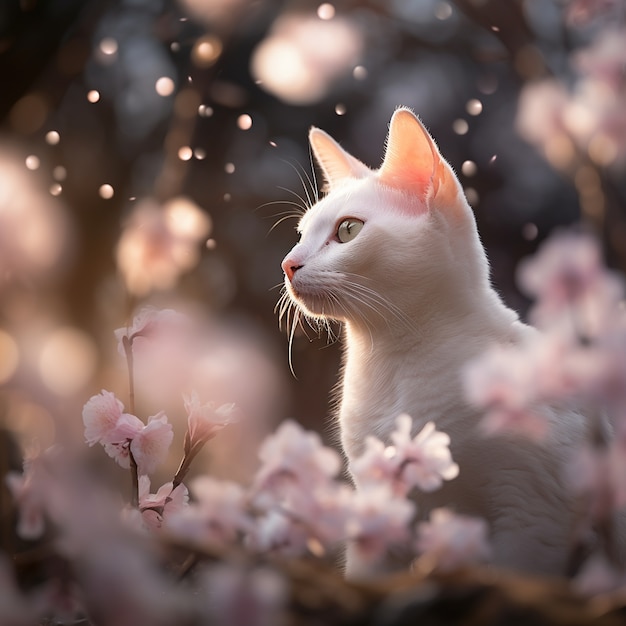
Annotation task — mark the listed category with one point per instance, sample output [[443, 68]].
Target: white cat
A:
[[395, 255]]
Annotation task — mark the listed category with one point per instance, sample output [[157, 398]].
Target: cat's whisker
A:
[[300, 208], [314, 185], [303, 202], [390, 307], [289, 216], [311, 197]]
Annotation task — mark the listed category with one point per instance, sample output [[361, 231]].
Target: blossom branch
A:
[[134, 479], [128, 350]]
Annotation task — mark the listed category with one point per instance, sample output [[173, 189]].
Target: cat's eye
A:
[[349, 229]]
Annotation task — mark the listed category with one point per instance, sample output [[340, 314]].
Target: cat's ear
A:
[[413, 163], [336, 163]]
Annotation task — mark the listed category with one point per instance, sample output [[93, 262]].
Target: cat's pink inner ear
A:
[[412, 162], [337, 164]]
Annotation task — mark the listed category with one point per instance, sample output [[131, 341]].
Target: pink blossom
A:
[[166, 501], [377, 464], [504, 382], [151, 445], [449, 541], [540, 119], [294, 459], [101, 415], [424, 460], [277, 532], [204, 420], [567, 277], [379, 520], [217, 516], [150, 324], [117, 445], [326, 512]]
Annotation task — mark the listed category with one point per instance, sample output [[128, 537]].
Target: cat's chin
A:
[[314, 305]]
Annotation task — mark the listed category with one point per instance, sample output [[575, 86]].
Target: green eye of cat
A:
[[349, 229]]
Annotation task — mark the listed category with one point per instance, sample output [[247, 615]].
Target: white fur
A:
[[413, 291]]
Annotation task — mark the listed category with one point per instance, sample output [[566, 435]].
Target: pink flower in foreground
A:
[[151, 445], [377, 464], [155, 507], [572, 287], [294, 459], [205, 420], [217, 516], [379, 520], [504, 382], [101, 415], [278, 533], [424, 460], [449, 541]]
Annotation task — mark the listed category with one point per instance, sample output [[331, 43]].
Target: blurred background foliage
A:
[[111, 111]]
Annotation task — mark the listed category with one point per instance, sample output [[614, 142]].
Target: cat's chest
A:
[[378, 387]]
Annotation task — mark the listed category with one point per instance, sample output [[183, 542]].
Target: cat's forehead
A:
[[342, 202]]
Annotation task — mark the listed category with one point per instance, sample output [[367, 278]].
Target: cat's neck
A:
[[390, 370]]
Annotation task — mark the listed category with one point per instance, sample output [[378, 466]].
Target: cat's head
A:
[[384, 244]]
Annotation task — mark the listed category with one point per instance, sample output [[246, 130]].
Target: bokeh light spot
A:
[[106, 191], [460, 127], [164, 86], [443, 11], [359, 72], [229, 168], [474, 106], [326, 11], [108, 46], [469, 168], [206, 51], [32, 162], [67, 361], [472, 195], [185, 153], [244, 122], [56, 189], [53, 138]]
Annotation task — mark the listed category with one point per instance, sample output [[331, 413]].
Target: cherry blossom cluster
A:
[[574, 364], [296, 504], [586, 120]]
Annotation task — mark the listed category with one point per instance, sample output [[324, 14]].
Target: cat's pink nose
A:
[[289, 267]]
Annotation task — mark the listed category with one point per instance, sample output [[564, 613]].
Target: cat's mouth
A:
[[313, 300]]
